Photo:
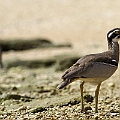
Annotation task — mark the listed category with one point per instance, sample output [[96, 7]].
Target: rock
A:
[[65, 61], [88, 98]]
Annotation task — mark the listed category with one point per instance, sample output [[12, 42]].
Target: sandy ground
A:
[[84, 24]]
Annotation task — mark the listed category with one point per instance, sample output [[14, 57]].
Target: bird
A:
[[94, 68]]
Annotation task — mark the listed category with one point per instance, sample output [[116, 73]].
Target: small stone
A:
[[114, 114], [88, 108], [22, 108], [114, 111], [96, 116], [88, 98], [111, 84], [2, 108]]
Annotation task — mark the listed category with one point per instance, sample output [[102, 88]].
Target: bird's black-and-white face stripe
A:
[[114, 35], [113, 32]]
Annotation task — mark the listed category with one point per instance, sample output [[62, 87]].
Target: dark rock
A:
[[24, 44], [29, 63], [88, 98], [38, 109]]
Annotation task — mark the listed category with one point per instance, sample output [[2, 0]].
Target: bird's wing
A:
[[91, 66], [76, 68], [71, 73]]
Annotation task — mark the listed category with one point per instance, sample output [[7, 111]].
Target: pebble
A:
[[73, 112]]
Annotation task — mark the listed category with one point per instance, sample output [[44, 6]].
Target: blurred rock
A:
[[65, 61]]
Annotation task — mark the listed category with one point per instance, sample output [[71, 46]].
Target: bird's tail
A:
[[64, 83]]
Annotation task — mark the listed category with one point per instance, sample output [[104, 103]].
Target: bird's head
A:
[[113, 35]]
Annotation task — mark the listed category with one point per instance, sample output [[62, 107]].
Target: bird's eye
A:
[[116, 32]]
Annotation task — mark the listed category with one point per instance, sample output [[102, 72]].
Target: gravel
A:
[[106, 111]]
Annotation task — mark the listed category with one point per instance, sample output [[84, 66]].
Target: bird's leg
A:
[[96, 97], [81, 90]]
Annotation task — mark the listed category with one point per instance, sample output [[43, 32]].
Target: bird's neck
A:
[[114, 48]]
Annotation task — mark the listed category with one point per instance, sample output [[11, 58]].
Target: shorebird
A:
[[94, 68]]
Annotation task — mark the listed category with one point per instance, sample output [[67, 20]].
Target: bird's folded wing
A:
[[91, 66]]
